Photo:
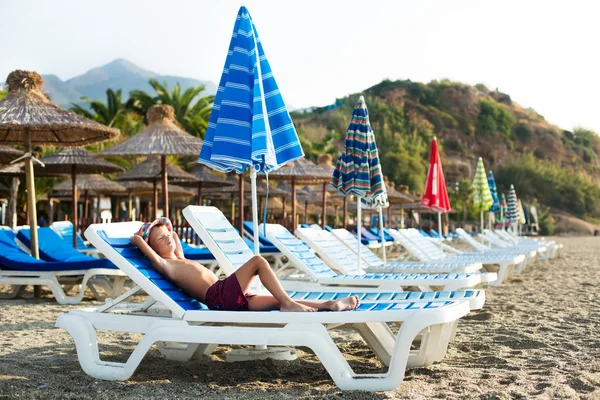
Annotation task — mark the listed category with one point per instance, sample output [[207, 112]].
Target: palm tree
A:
[[191, 112], [113, 114]]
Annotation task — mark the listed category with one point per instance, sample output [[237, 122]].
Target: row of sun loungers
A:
[[313, 264]]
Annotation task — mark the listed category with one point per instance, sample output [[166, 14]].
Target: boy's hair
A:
[[146, 229]]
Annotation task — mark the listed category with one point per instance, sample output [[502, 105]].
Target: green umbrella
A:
[[482, 196]]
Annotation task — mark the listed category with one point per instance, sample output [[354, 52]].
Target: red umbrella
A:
[[435, 196]]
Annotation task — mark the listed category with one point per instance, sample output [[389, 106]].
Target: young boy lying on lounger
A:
[[161, 246]]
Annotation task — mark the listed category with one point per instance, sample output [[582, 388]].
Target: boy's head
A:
[[158, 235]]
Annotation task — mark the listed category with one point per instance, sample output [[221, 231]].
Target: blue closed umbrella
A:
[[494, 191], [249, 127]]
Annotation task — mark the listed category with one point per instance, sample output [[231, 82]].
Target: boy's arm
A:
[[157, 261], [178, 249]]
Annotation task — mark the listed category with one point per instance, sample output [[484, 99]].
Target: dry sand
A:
[[538, 336]]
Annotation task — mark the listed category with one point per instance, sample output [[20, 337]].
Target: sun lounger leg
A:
[[178, 351], [380, 339]]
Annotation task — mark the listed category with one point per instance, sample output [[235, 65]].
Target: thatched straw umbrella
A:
[[28, 118], [90, 185], [302, 171], [4, 188], [162, 137], [7, 154], [77, 161], [150, 170], [206, 179]]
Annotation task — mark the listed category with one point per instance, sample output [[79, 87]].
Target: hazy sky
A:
[[543, 53]]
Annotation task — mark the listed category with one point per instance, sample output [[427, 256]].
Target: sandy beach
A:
[[538, 336]]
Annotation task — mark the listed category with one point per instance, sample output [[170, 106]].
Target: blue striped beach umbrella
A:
[[249, 127], [358, 171], [494, 192]]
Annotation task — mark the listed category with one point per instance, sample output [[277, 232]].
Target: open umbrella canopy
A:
[[84, 162], [494, 192], [25, 109], [7, 154], [150, 170], [28, 117], [249, 126], [161, 137], [435, 195], [482, 197], [75, 161], [206, 178], [94, 183], [302, 171], [139, 188]]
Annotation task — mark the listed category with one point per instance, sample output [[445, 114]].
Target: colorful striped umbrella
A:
[[494, 192], [435, 196], [358, 171], [238, 136], [503, 209], [512, 207], [482, 197], [522, 219]]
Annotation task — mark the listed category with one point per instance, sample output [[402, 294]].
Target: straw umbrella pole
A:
[[162, 137], [27, 117], [79, 161], [151, 170], [300, 171], [206, 179]]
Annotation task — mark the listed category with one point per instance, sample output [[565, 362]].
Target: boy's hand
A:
[[135, 240]]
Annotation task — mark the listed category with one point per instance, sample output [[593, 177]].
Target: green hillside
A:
[[548, 165]]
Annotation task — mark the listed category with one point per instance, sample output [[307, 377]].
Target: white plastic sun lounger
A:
[[518, 240], [425, 250], [184, 320], [529, 253], [375, 264], [545, 252], [304, 260], [339, 257]]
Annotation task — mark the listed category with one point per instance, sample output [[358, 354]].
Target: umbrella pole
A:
[[155, 198], [345, 216], [31, 199], [199, 193], [294, 220], [306, 212], [129, 206], [440, 232], [241, 182], [324, 217], [254, 211], [481, 220], [358, 231], [382, 234], [75, 198], [165, 186], [86, 205]]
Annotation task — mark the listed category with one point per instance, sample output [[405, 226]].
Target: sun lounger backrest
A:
[[221, 238], [11, 255], [301, 256], [463, 235], [65, 231], [413, 249], [431, 251], [332, 251], [351, 242], [52, 247], [112, 240], [491, 237]]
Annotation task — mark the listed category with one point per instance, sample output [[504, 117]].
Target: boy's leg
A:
[[259, 266]]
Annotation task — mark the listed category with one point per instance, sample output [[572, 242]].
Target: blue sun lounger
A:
[[19, 269], [170, 316]]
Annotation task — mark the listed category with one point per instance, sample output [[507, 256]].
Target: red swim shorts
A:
[[226, 295]]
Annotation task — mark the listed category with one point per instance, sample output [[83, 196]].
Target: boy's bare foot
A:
[[292, 306], [349, 303]]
